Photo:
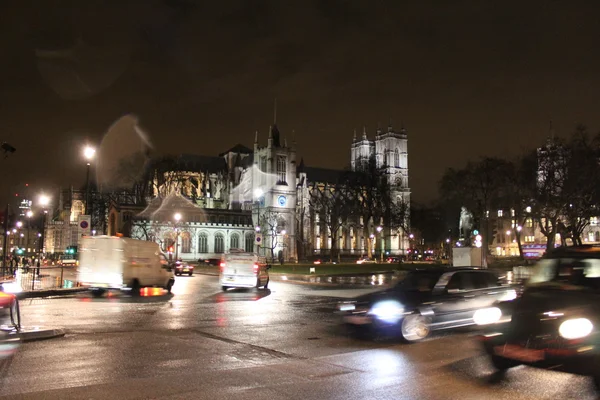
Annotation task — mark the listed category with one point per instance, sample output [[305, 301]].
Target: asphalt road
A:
[[283, 343]]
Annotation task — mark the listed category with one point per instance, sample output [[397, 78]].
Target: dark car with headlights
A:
[[425, 300], [183, 268], [555, 323]]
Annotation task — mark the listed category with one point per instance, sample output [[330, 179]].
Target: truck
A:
[[108, 262], [241, 269]]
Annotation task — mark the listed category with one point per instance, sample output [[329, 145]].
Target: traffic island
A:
[[34, 333]]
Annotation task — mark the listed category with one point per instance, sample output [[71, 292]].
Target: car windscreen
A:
[[421, 281], [573, 271]]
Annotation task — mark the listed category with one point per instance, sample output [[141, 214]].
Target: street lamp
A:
[[88, 153], [177, 218], [44, 201], [258, 194], [379, 229]]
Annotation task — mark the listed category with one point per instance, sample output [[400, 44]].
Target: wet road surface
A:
[[283, 343]]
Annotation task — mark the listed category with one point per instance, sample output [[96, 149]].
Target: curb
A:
[[313, 280], [35, 334], [50, 293]]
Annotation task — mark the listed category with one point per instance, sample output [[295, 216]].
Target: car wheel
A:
[[135, 288], [191, 273], [414, 327], [224, 288], [97, 293], [502, 364], [170, 285]]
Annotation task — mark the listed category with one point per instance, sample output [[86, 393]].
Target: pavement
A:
[[283, 343]]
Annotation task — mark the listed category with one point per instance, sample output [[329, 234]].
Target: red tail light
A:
[[255, 269], [222, 266]]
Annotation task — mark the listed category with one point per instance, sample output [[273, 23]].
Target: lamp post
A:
[[44, 202], [88, 154], [258, 194], [177, 218], [379, 229]]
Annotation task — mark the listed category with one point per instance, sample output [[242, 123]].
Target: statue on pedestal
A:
[[465, 225]]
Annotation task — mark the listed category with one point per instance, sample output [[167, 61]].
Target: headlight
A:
[[487, 316], [575, 328], [389, 311], [510, 294]]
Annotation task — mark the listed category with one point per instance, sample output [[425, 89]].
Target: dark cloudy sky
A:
[[467, 78]]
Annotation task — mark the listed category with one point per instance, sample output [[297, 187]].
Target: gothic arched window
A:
[[249, 242], [385, 158], [203, 243], [396, 158], [186, 242], [234, 241], [219, 243]]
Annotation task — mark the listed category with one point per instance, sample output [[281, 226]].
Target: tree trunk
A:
[[518, 235], [484, 241]]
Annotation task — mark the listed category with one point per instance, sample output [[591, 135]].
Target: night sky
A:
[[466, 78]]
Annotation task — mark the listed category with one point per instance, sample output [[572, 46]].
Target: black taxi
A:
[[425, 300], [555, 323]]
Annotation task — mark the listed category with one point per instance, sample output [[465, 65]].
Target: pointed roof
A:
[[300, 168], [275, 135], [238, 149]]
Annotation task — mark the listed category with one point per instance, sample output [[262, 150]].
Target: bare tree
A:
[[478, 185], [330, 203]]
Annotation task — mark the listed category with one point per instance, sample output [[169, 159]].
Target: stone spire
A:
[[364, 136], [354, 138]]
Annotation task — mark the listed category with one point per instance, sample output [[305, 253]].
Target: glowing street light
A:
[[29, 214], [508, 233], [283, 232], [89, 153], [519, 228], [44, 200], [19, 224], [411, 236], [258, 192], [177, 217]]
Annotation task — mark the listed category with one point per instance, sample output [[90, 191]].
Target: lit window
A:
[[281, 169], [203, 243], [512, 223], [396, 159], [500, 213], [512, 212], [219, 243], [529, 239], [529, 223], [594, 221], [186, 242], [487, 214]]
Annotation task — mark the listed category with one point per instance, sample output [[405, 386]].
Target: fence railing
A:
[[45, 278]]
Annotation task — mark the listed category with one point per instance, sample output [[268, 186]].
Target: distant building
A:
[[242, 195]]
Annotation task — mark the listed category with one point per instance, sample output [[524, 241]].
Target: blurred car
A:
[[394, 260], [9, 323], [366, 260], [182, 267], [555, 323], [425, 300]]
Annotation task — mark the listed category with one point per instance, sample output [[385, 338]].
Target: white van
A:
[[108, 262], [242, 269]]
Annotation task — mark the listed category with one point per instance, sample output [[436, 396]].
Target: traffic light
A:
[[171, 249], [19, 251]]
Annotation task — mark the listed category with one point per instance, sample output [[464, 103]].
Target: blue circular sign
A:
[[83, 224], [281, 200]]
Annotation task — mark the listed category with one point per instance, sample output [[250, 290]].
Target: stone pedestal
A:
[[466, 257]]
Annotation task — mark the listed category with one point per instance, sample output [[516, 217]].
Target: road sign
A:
[[258, 238]]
